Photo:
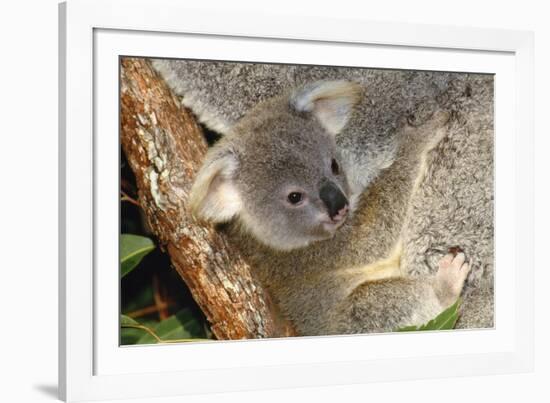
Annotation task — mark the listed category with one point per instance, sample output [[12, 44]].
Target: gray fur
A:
[[382, 159], [293, 152]]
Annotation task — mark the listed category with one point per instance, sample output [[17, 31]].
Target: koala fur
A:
[[417, 152]]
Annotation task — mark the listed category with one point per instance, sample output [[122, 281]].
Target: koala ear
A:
[[214, 196], [331, 102]]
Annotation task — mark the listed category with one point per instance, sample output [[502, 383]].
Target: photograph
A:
[[275, 201], [262, 200]]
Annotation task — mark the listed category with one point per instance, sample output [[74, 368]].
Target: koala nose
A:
[[335, 200]]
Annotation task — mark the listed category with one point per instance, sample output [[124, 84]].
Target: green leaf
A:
[[126, 321], [129, 335], [178, 328], [446, 320], [131, 330], [182, 325], [133, 248]]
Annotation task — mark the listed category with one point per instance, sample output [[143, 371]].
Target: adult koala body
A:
[[329, 183]]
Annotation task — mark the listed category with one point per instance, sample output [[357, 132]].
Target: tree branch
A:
[[165, 147]]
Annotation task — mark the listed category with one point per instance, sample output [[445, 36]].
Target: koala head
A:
[[278, 172]]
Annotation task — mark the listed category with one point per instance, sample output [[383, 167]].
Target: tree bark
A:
[[165, 147]]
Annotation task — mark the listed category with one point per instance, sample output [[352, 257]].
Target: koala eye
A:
[[295, 197], [335, 167]]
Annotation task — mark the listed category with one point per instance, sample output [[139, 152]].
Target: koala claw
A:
[[450, 277]]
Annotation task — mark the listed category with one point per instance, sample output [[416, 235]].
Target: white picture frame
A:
[[93, 33]]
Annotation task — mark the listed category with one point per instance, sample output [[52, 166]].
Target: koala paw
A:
[[450, 277]]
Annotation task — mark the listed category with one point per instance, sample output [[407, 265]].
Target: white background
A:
[[28, 200]]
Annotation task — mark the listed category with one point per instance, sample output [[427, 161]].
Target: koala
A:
[[324, 222], [293, 192]]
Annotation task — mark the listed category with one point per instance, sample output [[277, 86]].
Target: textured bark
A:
[[165, 147]]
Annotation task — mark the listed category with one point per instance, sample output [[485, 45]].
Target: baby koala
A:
[[279, 173], [326, 248]]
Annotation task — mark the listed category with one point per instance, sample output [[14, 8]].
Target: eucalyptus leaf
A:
[[182, 325], [446, 320], [129, 335], [127, 321], [133, 248], [131, 330]]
